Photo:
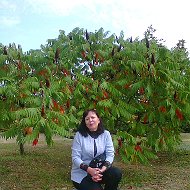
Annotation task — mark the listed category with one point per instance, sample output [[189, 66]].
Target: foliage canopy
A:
[[139, 87]]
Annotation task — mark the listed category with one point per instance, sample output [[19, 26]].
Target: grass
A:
[[48, 168], [41, 168]]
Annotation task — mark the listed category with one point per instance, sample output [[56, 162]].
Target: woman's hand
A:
[[95, 173], [97, 177]]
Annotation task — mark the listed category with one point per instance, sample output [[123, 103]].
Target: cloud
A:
[[67, 7], [8, 18], [133, 17], [54, 7], [7, 5], [9, 21]]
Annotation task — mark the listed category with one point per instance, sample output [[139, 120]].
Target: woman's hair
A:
[[83, 129]]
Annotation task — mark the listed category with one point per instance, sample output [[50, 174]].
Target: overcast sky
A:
[[31, 22]]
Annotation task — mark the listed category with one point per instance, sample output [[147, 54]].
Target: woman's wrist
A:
[[84, 167], [90, 171]]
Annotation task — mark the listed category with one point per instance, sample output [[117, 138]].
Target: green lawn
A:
[[49, 168]]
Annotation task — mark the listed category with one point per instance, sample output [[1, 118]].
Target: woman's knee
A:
[[88, 184], [114, 173], [117, 173]]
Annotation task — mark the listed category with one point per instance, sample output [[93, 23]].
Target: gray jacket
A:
[[83, 152]]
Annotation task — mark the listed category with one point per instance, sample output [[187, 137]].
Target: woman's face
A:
[[92, 121]]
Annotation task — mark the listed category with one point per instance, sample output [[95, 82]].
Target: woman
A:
[[90, 141]]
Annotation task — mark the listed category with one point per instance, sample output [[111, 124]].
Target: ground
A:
[[49, 168]]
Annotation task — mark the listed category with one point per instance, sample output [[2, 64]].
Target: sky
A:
[[31, 23]]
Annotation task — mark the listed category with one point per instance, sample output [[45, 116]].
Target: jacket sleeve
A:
[[77, 150], [109, 148]]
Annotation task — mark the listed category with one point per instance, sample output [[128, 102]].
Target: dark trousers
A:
[[111, 179]]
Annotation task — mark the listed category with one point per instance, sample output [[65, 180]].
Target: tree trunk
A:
[[21, 149]]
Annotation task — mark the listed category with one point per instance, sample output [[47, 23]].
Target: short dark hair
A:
[[83, 129]]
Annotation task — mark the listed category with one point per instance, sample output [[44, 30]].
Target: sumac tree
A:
[[139, 87]]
